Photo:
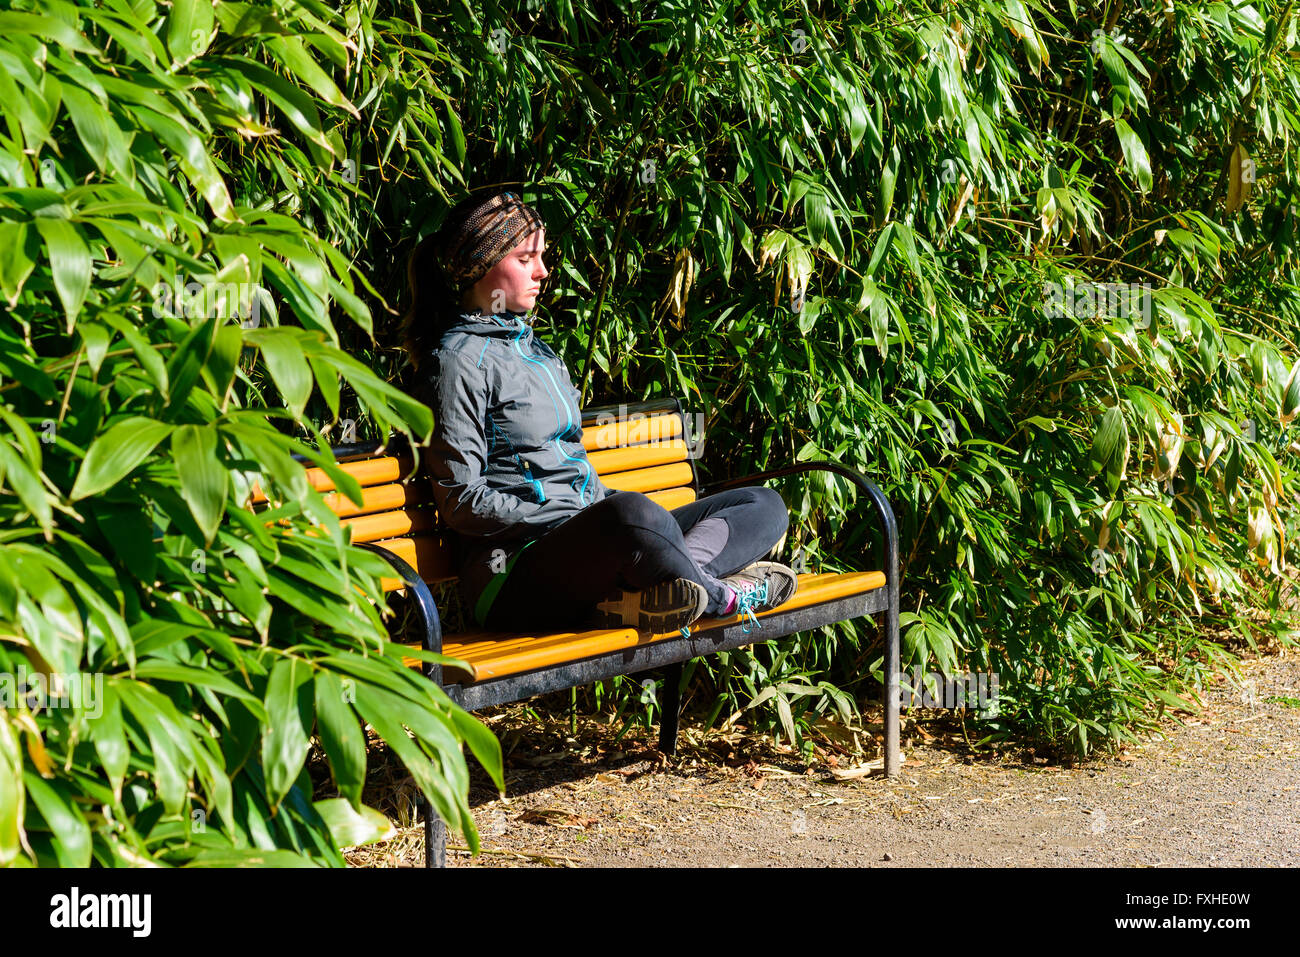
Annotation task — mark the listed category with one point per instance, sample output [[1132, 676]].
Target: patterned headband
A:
[[467, 250]]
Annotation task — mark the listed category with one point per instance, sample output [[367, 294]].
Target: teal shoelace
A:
[[748, 601]]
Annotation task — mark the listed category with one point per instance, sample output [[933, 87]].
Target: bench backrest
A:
[[639, 447]]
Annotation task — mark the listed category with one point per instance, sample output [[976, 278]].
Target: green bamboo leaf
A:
[[352, 828], [382, 398], [159, 719], [129, 527], [205, 482], [114, 454], [267, 448], [1106, 440], [1042, 422], [109, 737], [47, 27], [883, 244], [283, 352], [188, 361], [100, 135], [482, 742], [223, 363], [284, 740], [293, 55], [905, 241], [1291, 395], [1135, 154], [457, 133], [191, 154], [161, 670], [296, 105], [71, 832], [885, 191], [245, 592], [340, 735], [328, 381], [26, 484], [1173, 700], [12, 792], [69, 262], [787, 719], [52, 623], [189, 27], [435, 787], [143, 350], [18, 252], [138, 42]]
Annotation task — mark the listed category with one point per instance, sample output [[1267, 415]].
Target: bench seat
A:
[[496, 654]]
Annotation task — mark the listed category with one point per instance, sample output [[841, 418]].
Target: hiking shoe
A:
[[761, 586], [666, 607]]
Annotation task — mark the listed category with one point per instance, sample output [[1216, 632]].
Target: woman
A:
[[541, 543]]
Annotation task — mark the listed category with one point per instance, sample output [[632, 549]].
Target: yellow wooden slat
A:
[[655, 428], [381, 498], [496, 654], [637, 457], [395, 524], [377, 471], [651, 480], [673, 498]]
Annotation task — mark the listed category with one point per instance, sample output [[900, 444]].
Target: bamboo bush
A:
[[169, 653]]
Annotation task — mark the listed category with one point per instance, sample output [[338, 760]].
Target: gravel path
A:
[[1219, 790]]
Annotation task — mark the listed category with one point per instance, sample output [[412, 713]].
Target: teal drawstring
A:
[[745, 605], [686, 631]]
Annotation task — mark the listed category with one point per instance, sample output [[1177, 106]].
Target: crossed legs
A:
[[628, 541]]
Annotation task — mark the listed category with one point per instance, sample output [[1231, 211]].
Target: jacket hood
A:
[[506, 326]]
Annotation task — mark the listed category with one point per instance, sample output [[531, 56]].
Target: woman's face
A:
[[515, 281]]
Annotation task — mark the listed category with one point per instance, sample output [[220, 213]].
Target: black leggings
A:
[[628, 541]]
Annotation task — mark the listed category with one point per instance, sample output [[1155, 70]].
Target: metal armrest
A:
[[432, 631], [882, 506], [889, 526]]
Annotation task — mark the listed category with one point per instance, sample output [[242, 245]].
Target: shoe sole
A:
[[660, 609]]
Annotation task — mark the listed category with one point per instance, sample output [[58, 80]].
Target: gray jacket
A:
[[506, 456]]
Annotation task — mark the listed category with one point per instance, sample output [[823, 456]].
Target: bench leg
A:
[[672, 707], [893, 693], [435, 837]]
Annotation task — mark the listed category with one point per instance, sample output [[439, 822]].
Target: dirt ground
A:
[[1213, 789]]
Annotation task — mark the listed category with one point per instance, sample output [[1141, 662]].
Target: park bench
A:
[[639, 447]]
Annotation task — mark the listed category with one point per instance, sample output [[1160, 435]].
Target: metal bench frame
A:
[[667, 653]]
